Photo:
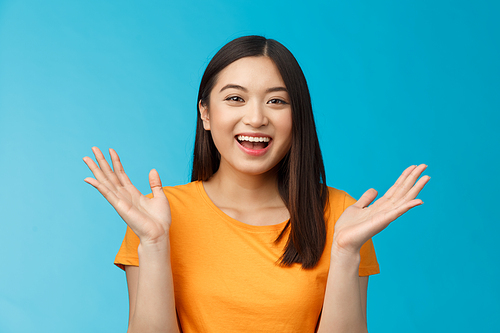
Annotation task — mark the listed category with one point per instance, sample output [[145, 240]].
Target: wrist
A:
[[345, 257], [161, 244]]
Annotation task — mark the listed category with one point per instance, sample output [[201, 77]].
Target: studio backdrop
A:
[[393, 83]]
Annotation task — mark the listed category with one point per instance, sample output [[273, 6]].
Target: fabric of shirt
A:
[[226, 273]]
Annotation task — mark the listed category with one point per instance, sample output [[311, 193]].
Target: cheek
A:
[[285, 126], [221, 127]]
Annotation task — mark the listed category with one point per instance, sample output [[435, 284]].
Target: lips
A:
[[254, 144]]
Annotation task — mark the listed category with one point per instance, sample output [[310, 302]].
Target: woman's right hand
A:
[[149, 218]]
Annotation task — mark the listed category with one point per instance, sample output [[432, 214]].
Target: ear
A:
[[204, 115]]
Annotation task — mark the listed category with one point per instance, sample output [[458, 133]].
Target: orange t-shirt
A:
[[225, 272]]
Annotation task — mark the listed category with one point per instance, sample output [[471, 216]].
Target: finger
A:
[[400, 210], [98, 174], [400, 181], [409, 182], [106, 193], [118, 168], [415, 190], [103, 164], [367, 198], [380, 222], [155, 184]]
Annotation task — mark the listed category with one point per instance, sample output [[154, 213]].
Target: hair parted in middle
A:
[[301, 173]]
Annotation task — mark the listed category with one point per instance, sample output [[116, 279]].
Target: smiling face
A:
[[249, 116]]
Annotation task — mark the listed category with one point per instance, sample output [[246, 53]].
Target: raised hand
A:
[[148, 218], [360, 222]]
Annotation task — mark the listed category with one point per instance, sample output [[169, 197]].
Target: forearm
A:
[[342, 307], [154, 309]]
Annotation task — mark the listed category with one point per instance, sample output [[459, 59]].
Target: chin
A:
[[256, 170]]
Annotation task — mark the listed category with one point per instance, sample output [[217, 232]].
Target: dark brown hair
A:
[[301, 174]]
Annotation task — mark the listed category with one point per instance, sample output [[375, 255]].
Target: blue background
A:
[[393, 83]]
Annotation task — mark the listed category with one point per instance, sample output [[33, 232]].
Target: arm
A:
[[132, 273], [363, 290], [151, 286], [151, 292], [344, 307]]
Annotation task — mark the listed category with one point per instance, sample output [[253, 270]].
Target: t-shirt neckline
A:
[[237, 223]]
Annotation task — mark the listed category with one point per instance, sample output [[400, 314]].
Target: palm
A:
[[149, 218], [360, 221]]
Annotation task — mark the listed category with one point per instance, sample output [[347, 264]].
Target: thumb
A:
[[366, 198], [155, 183]]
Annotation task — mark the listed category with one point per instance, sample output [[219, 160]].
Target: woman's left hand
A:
[[360, 222]]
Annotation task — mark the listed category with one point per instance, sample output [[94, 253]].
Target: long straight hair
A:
[[301, 173]]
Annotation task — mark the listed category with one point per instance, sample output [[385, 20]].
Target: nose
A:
[[255, 115]]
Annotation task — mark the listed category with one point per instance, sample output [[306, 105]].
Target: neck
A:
[[231, 188]]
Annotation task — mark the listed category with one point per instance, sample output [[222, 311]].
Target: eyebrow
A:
[[237, 86]]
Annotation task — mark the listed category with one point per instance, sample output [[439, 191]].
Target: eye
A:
[[277, 101], [234, 99]]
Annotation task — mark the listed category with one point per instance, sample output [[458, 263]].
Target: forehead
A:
[[252, 73]]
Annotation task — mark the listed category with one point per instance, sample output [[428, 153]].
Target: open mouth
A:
[[253, 142]]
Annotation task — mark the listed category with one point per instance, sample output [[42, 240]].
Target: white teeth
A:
[[253, 138]]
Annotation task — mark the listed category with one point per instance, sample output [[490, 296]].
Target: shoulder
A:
[[183, 198], [188, 189], [339, 198], [338, 201], [180, 191]]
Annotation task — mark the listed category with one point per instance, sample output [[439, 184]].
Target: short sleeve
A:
[[368, 264], [127, 255]]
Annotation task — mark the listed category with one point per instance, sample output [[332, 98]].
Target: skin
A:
[[245, 188]]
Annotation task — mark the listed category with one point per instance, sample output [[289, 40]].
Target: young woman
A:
[[256, 242]]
